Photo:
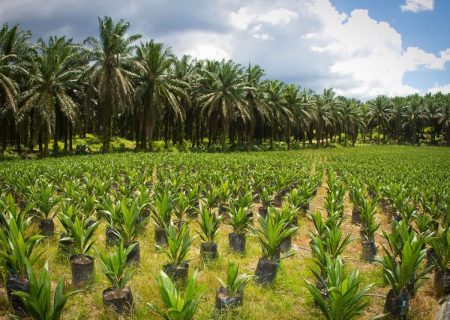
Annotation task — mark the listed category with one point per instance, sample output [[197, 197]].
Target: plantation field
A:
[[408, 184]]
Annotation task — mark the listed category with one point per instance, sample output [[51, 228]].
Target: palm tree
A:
[[431, 110], [158, 88], [13, 43], [379, 110], [54, 75], [414, 113], [275, 100], [349, 112], [298, 114], [255, 101], [323, 115], [111, 72], [221, 97], [443, 119], [396, 115]]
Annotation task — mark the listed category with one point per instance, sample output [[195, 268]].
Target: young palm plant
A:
[[240, 220], [177, 306], [271, 232], [209, 225], [368, 228], [178, 245], [16, 250], [441, 260], [162, 211], [82, 264], [344, 299], [38, 301], [45, 203], [118, 297], [231, 294], [403, 276], [129, 230]]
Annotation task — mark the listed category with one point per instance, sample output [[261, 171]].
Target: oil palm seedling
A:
[[356, 192], [231, 293], [118, 297], [162, 210], [45, 202], [38, 301], [17, 248], [290, 215], [209, 223], [403, 276], [112, 213], [345, 297], [129, 229], [441, 261], [266, 196], [182, 207], [177, 306], [81, 233], [271, 232], [240, 220], [178, 245], [368, 228]]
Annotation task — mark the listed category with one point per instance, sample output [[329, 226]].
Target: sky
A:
[[361, 48]]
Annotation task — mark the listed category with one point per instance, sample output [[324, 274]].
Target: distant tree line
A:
[[112, 85]]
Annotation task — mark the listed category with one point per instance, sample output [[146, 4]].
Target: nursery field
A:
[[327, 231]]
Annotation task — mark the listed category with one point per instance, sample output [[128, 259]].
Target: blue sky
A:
[[429, 30], [361, 48]]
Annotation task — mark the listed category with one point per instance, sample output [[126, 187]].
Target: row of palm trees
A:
[[112, 86]]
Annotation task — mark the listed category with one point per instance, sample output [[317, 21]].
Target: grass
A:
[[286, 299]]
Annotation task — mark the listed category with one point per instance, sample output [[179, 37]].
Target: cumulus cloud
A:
[[443, 89], [306, 42], [417, 5]]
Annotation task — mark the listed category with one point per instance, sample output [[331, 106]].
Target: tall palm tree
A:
[[431, 110], [299, 115], [379, 110], [221, 97], [396, 116], [13, 43], [323, 115], [256, 103], [281, 116], [54, 75], [349, 112], [158, 90], [414, 113], [111, 72]]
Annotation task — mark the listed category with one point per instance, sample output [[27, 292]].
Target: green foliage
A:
[[79, 232], [273, 229], [240, 219], [178, 244], [368, 210], [16, 247], [209, 224], [44, 199], [345, 298], [404, 273], [177, 306], [39, 301], [236, 282], [441, 245], [162, 208], [115, 265]]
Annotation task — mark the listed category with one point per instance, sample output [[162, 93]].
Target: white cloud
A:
[[443, 89], [200, 44], [307, 42], [246, 16], [417, 5]]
